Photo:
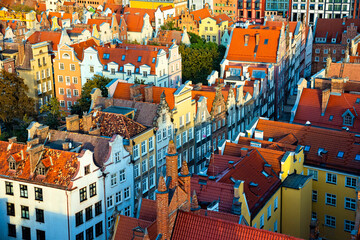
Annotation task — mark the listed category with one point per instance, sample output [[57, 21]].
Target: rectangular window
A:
[[91, 69], [110, 221], [92, 189], [11, 230], [80, 236], [79, 219], [262, 221], [331, 178], [276, 226], [191, 133], [40, 235], [98, 229], [98, 208], [122, 176], [127, 211], [169, 132], [181, 121], [187, 117], [144, 167], [9, 188], [151, 162], [72, 67], [350, 204], [26, 234], [90, 233], [23, 191], [184, 137], [88, 213], [314, 173], [178, 140], [76, 93], [143, 148], [118, 197], [68, 81], [25, 212], [269, 212], [349, 225], [314, 195], [136, 170], [151, 144], [350, 182], [83, 195], [75, 80], [61, 66], [113, 179], [152, 180], [330, 199], [136, 152], [60, 78], [109, 201], [39, 215], [330, 221], [144, 185], [10, 208], [127, 193]]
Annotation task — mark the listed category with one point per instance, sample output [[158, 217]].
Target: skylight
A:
[[331, 117], [357, 100], [106, 56], [265, 174], [270, 139], [340, 154], [357, 157], [307, 148], [153, 60], [123, 58], [266, 41], [139, 59]]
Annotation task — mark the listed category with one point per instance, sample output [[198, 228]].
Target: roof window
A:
[[106, 56], [357, 100], [331, 117], [266, 41], [121, 69], [252, 184], [137, 70], [357, 157], [123, 58], [270, 139], [340, 154], [139, 58], [265, 174], [153, 60], [307, 148]]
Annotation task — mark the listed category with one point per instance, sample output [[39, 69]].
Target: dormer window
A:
[[331, 117], [123, 58], [348, 118], [41, 171], [12, 165], [340, 154], [357, 157], [307, 148], [139, 59], [333, 40]]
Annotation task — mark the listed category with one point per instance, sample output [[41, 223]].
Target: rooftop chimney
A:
[[325, 96], [246, 39], [337, 85], [135, 93], [66, 146], [149, 94], [257, 39], [73, 123]]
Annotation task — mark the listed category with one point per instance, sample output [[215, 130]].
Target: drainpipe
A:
[[104, 174], [67, 211]]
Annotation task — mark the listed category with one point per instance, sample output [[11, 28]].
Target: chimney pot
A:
[[66, 146]]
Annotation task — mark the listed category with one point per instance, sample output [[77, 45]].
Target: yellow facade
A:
[[210, 31], [319, 207], [293, 162], [296, 211], [149, 5]]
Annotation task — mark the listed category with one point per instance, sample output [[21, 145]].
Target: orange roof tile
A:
[[45, 36], [349, 70], [147, 210], [309, 109], [60, 15], [201, 14], [140, 12], [333, 28], [223, 17], [196, 227], [98, 22], [123, 92], [266, 51], [134, 22], [62, 165], [69, 3], [80, 47], [314, 137], [124, 229], [166, 8]]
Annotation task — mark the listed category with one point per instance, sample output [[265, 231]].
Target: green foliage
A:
[[84, 102], [139, 81], [18, 130], [200, 59], [170, 25], [14, 101], [22, 8], [53, 114]]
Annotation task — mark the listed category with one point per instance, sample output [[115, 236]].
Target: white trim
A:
[[332, 171]]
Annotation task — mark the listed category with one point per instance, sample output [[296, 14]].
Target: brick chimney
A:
[[73, 123], [257, 39], [337, 85], [34, 150], [87, 122], [171, 164], [42, 133], [325, 95], [185, 178], [162, 209], [135, 93], [246, 39], [65, 146], [194, 203], [149, 94], [21, 52]]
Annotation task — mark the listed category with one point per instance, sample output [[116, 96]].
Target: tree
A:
[[53, 114], [14, 101], [170, 25], [84, 102]]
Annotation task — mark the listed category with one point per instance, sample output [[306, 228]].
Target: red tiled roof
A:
[[249, 170], [148, 210], [309, 109], [140, 12], [69, 3], [80, 47], [62, 164], [60, 15], [223, 17], [292, 25], [266, 52], [135, 22], [115, 8], [213, 191], [125, 225], [43, 36], [98, 22], [349, 70], [168, 7], [196, 227], [314, 137], [112, 123], [333, 28], [201, 14], [123, 92], [41, 7], [167, 36]]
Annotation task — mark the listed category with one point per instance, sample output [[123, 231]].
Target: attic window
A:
[[265, 174], [41, 171], [12, 165], [340, 154], [123, 58], [121, 69], [137, 70], [87, 169], [153, 60], [106, 56], [347, 120], [357, 100], [307, 148], [139, 59], [270, 139], [357, 157], [252, 184], [266, 41], [331, 117], [333, 40]]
